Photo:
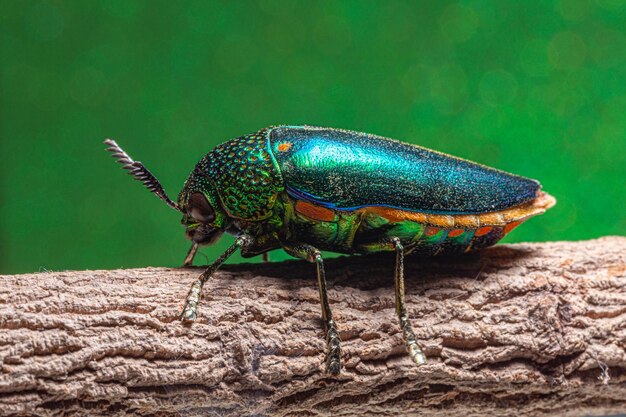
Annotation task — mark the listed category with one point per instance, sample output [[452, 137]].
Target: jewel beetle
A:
[[305, 189]]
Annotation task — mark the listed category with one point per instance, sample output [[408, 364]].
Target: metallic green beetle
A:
[[306, 189]]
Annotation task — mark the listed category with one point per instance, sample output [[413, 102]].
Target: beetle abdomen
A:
[[366, 229], [443, 234], [347, 170]]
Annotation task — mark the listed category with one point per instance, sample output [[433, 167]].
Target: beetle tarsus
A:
[[415, 351], [191, 303], [333, 359]]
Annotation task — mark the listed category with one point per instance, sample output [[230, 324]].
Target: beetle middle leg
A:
[[311, 254], [193, 297]]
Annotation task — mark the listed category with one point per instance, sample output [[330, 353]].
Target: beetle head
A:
[[202, 216]]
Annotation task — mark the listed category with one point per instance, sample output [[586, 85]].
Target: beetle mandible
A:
[[306, 189]]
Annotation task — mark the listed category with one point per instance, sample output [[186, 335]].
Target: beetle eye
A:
[[199, 208]]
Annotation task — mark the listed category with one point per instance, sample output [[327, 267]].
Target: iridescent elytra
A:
[[304, 189]]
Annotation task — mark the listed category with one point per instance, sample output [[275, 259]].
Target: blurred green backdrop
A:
[[536, 88]]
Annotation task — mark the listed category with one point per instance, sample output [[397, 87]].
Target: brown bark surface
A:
[[525, 329]]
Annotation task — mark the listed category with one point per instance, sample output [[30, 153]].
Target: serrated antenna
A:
[[139, 172]]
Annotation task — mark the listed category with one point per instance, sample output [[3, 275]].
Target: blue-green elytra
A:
[[304, 189]]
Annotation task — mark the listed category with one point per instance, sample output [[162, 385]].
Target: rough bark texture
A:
[[535, 328]]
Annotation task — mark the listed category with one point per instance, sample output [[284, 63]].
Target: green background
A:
[[537, 88]]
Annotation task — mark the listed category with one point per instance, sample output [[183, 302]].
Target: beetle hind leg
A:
[[311, 254], [415, 351], [333, 360]]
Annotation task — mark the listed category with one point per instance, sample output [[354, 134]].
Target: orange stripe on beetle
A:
[[394, 215], [483, 231], [511, 226], [315, 212], [456, 232], [432, 231]]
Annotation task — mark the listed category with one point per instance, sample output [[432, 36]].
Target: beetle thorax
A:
[[243, 174]]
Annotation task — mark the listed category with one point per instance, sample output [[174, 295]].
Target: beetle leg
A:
[[190, 255], [191, 303], [409, 336], [308, 252], [266, 257]]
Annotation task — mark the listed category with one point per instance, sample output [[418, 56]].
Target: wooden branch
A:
[[535, 328]]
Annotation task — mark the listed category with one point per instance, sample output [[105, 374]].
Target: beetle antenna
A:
[[139, 172]]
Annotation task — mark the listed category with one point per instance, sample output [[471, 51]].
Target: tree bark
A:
[[534, 329]]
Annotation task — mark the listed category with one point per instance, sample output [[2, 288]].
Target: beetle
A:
[[305, 189]]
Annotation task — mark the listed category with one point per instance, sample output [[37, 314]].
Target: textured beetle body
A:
[[306, 189], [346, 192]]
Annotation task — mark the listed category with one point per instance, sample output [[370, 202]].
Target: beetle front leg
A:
[[311, 254], [190, 255], [416, 353], [193, 297]]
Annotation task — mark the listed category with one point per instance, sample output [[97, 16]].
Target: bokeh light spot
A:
[[613, 111], [44, 21], [278, 9], [574, 10], [332, 35], [498, 87], [613, 5], [567, 50], [236, 54], [449, 90], [88, 86], [535, 105], [566, 95], [608, 48], [458, 23], [534, 58], [275, 30], [121, 8], [416, 82]]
